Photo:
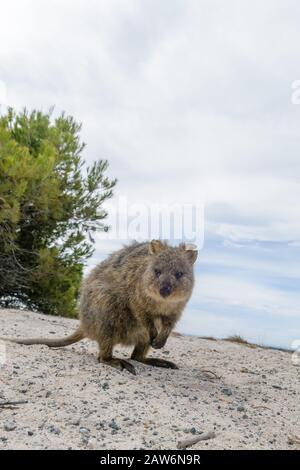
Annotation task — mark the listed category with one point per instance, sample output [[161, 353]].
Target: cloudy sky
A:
[[191, 101]]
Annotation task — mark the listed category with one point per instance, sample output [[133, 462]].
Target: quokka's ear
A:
[[190, 251], [156, 246]]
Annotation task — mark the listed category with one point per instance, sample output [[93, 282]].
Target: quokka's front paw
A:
[[153, 334], [158, 342]]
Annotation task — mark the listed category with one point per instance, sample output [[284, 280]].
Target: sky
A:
[[192, 102]]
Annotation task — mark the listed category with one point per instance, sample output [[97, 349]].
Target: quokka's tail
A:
[[52, 343]]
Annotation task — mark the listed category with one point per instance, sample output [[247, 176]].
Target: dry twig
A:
[[190, 442], [207, 371], [13, 403]]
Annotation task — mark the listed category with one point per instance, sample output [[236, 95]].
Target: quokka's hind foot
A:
[[120, 364], [140, 352], [155, 362]]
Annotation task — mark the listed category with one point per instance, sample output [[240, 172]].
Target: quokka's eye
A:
[[178, 275], [157, 272]]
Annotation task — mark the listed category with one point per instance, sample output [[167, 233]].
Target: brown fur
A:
[[133, 298]]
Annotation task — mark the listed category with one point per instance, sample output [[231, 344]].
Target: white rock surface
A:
[[252, 401]]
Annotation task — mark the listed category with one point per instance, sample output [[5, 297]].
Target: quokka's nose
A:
[[165, 290]]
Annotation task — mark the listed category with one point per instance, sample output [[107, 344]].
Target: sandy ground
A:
[[252, 401]]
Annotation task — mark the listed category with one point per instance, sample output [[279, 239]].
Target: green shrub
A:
[[51, 203]]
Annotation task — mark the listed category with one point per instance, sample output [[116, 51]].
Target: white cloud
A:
[[209, 323], [189, 100], [226, 291]]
